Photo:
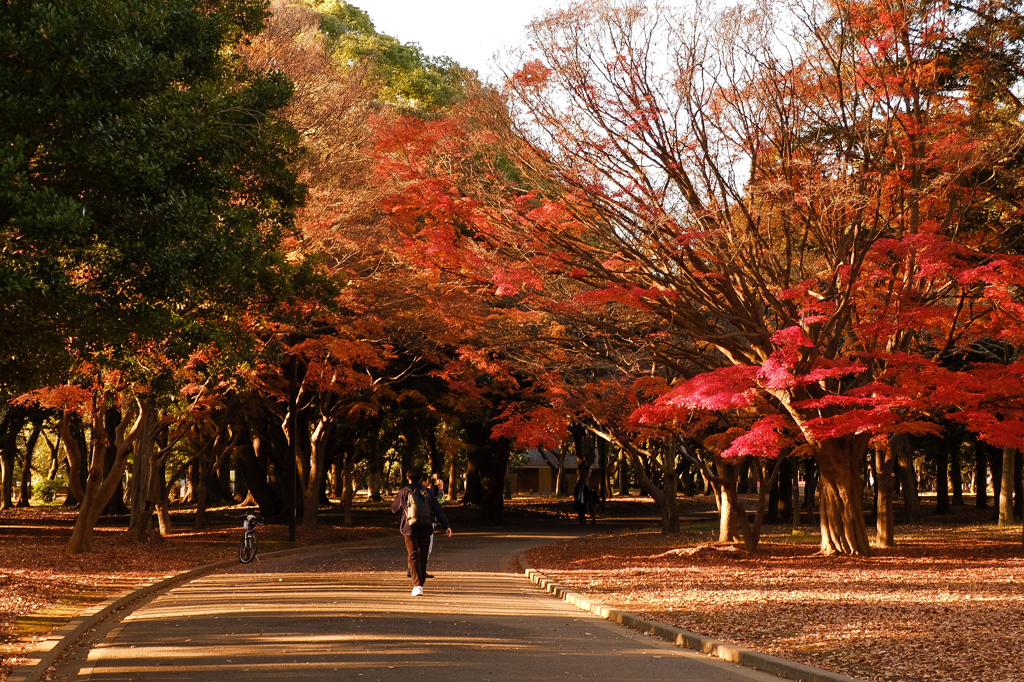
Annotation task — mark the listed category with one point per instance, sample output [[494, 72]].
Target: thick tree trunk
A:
[[254, 463], [884, 466], [7, 457], [488, 460], [1006, 488], [843, 528], [728, 502], [100, 485], [313, 481]]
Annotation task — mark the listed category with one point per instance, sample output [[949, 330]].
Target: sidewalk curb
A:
[[773, 665], [45, 653]]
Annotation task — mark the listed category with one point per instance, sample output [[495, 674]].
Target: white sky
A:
[[468, 31]]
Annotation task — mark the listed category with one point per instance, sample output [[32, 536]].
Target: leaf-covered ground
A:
[[41, 588], [946, 604]]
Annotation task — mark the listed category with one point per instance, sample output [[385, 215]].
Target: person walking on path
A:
[[581, 500], [419, 509]]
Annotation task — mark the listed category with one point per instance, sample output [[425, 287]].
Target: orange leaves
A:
[[65, 397], [533, 74], [543, 426]]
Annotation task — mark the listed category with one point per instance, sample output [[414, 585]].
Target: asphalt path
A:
[[347, 613]]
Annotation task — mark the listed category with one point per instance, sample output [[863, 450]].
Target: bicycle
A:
[[250, 545]]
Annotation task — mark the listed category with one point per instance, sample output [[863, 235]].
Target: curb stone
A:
[[44, 654], [773, 665]]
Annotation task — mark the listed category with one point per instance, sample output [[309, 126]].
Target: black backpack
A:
[[417, 508]]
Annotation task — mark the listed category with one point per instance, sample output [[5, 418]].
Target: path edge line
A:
[[46, 652], [748, 658]]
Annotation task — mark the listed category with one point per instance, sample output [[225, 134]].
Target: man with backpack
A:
[[419, 509]]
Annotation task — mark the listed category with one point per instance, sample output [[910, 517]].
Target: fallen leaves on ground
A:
[[41, 587], [947, 603]]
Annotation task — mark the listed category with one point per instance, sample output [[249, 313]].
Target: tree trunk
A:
[[996, 464], [956, 474], [313, 480], [488, 460], [810, 486], [843, 528], [100, 485], [348, 488], [981, 475], [10, 427], [795, 492], [908, 481], [254, 462], [25, 486], [623, 471], [436, 454], [884, 468], [116, 506], [729, 511], [1018, 484], [1006, 488], [375, 468], [942, 477], [148, 485]]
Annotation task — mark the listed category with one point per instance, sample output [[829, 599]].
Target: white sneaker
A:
[[417, 591]]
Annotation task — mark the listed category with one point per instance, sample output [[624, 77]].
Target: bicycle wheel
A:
[[247, 550]]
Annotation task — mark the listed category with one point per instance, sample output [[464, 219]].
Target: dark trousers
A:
[[418, 547]]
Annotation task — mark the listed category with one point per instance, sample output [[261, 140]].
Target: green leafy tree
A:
[[406, 76], [144, 178]]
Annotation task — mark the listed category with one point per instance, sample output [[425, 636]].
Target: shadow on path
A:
[[347, 613]]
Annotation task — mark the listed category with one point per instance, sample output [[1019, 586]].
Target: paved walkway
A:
[[347, 614]]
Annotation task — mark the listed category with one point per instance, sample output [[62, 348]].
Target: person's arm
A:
[[399, 502], [440, 516]]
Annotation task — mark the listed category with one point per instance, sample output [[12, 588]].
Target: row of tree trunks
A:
[[102, 481]]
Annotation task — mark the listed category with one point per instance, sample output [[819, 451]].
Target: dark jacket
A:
[[399, 506], [580, 497]]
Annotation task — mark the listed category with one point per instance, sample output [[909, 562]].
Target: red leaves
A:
[[764, 439], [725, 388]]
